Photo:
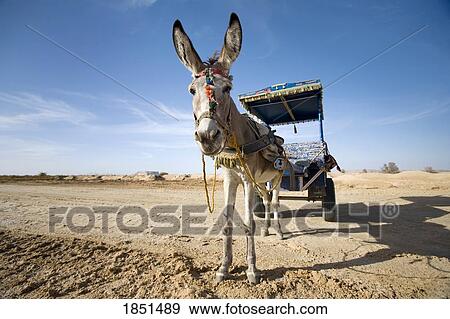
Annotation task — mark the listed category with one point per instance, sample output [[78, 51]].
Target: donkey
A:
[[220, 126]]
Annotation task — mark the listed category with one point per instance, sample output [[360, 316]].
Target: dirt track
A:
[[365, 256]]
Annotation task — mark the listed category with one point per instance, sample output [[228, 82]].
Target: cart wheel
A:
[[260, 210], [329, 212]]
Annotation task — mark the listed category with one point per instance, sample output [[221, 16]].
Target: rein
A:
[[211, 204]]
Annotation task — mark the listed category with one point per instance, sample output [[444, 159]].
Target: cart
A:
[[309, 163]]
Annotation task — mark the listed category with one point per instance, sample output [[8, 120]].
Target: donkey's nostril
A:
[[202, 136], [206, 136], [213, 134]]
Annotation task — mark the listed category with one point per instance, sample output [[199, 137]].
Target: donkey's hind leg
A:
[[276, 207], [230, 185]]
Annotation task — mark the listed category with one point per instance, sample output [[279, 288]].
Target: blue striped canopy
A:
[[286, 103]]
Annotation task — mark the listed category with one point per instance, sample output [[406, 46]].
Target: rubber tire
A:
[[329, 211]]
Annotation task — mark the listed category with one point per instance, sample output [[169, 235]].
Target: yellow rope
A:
[[211, 204]]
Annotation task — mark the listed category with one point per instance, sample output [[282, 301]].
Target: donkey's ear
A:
[[185, 50], [232, 42]]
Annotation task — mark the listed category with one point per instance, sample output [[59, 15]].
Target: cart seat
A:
[[304, 153], [299, 168], [304, 158]]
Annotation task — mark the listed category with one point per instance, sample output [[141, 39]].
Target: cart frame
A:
[[292, 103]]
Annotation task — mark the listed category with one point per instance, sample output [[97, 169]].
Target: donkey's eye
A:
[[192, 90], [226, 89]]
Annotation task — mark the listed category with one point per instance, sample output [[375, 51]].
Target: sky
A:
[[60, 116]]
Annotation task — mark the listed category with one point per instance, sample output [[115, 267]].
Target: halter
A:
[[230, 137], [209, 73]]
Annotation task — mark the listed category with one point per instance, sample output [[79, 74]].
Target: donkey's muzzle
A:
[[209, 136]]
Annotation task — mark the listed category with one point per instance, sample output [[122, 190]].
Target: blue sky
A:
[[59, 116]]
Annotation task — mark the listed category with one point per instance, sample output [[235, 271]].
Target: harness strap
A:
[[259, 144]]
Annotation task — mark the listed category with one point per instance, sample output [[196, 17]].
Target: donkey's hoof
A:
[[280, 236], [265, 232], [253, 277], [221, 276]]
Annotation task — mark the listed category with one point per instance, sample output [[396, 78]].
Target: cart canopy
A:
[[286, 103]]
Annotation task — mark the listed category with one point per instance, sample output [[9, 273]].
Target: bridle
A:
[[230, 138], [211, 113]]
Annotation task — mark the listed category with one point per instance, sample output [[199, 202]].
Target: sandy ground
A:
[[368, 254]]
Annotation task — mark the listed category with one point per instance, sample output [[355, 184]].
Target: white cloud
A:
[[137, 107], [397, 119], [31, 109], [149, 113], [152, 122], [76, 94], [139, 3], [180, 115], [168, 145], [141, 114], [402, 118], [143, 134], [167, 130], [15, 147]]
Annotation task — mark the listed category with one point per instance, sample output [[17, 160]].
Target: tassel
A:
[[295, 129]]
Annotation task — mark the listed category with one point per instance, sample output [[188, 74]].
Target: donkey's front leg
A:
[[230, 186], [276, 207], [253, 274]]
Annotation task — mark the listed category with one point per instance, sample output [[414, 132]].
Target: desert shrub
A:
[[429, 169], [390, 168], [42, 174], [342, 171], [364, 171]]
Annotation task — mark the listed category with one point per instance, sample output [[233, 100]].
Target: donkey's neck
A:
[[239, 126]]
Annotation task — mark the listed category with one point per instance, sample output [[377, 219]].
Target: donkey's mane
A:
[[212, 60]]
